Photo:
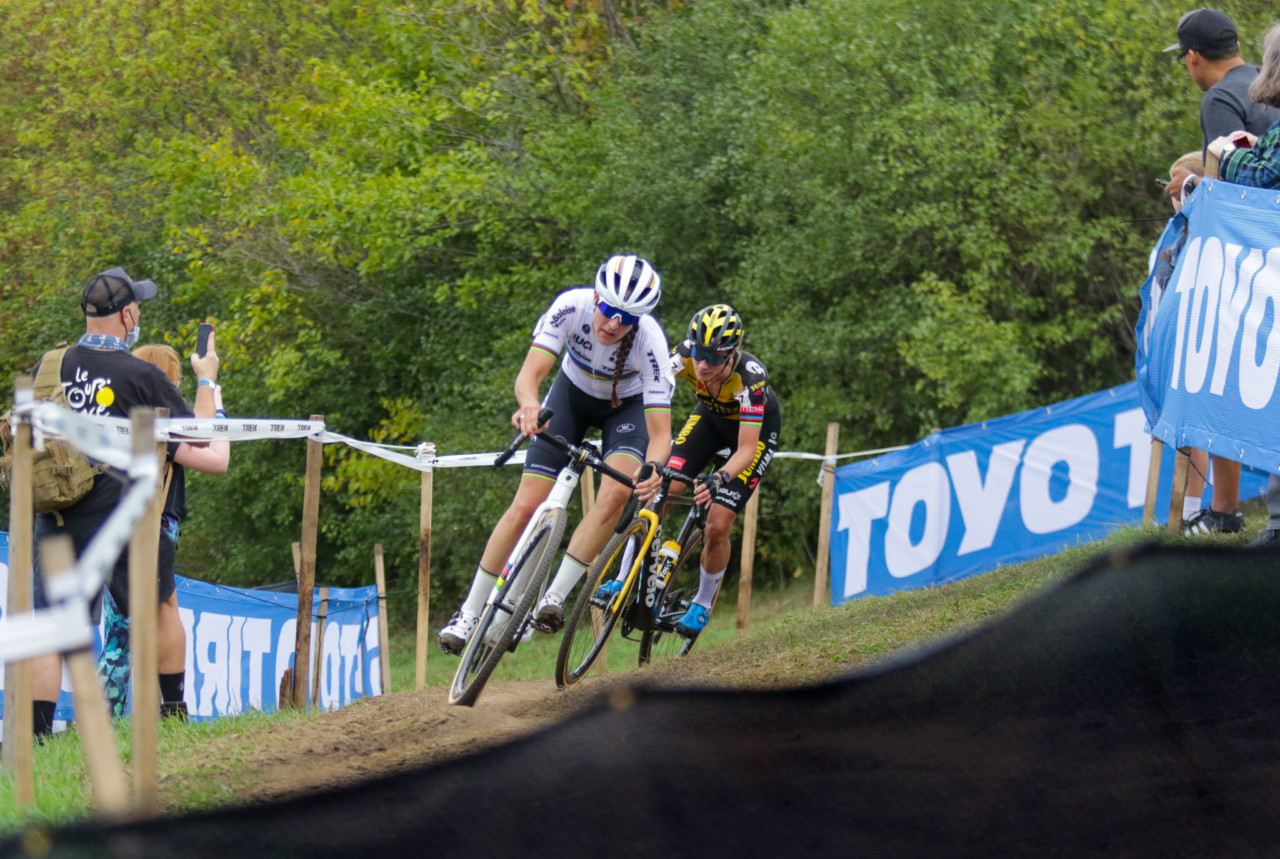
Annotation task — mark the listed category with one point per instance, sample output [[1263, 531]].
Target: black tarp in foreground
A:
[[1131, 710]]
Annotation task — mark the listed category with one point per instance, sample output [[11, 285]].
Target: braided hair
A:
[[620, 363]]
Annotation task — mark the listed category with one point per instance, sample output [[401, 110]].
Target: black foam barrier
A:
[[1130, 710]]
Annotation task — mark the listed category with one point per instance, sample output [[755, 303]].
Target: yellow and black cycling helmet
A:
[[717, 328]]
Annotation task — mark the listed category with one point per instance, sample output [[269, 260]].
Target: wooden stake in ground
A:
[[1153, 483], [307, 573], [93, 721], [1181, 465], [318, 670], [384, 648], [424, 571], [747, 566], [821, 585], [144, 595], [17, 687]]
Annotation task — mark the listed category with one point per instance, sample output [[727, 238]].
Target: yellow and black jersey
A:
[[745, 395]]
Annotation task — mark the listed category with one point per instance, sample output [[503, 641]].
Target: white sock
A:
[[708, 584], [571, 569], [1190, 506], [481, 586]]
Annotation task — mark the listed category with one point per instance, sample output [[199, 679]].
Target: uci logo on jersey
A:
[[626, 427]]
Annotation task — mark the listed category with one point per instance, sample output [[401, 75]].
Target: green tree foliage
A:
[[923, 211]]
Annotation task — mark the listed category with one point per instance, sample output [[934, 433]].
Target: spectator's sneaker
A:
[[550, 615], [605, 593], [1212, 522], [1268, 539], [453, 638], [694, 621]]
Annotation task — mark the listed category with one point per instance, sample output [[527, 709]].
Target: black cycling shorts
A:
[[81, 530], [623, 427], [705, 433]]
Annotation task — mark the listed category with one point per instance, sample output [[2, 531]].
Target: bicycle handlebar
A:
[[543, 416]]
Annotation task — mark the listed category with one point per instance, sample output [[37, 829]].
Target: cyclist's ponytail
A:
[[624, 352]]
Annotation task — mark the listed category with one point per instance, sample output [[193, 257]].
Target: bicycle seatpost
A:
[[543, 416]]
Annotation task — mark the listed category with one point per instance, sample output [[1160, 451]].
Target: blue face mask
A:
[[131, 337]]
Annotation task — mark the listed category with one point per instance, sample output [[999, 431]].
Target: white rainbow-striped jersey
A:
[[590, 365]]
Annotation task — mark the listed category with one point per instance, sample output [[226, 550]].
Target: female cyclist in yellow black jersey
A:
[[736, 409]]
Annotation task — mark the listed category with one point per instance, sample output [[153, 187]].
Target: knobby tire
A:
[[587, 628], [527, 577]]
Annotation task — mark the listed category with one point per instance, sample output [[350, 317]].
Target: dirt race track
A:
[[383, 735]]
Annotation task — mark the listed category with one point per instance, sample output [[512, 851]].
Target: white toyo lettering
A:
[[1075, 446], [857, 511], [1131, 432], [1258, 376], [1231, 303], [982, 503], [1204, 302], [926, 486]]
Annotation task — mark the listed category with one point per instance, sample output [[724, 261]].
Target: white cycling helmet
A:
[[629, 283]]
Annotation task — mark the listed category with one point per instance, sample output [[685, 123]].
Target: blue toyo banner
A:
[[240, 642], [1208, 351], [969, 499]]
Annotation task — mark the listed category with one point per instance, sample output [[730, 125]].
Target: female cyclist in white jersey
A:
[[614, 377]]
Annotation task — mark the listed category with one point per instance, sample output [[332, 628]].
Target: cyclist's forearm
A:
[[537, 364]]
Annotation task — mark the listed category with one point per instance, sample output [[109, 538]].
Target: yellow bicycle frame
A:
[[652, 518]]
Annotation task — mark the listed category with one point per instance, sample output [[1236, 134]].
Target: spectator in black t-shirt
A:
[[100, 377], [114, 662]]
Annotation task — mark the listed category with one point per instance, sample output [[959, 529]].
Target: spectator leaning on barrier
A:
[[113, 665], [1209, 47], [100, 377], [1257, 163]]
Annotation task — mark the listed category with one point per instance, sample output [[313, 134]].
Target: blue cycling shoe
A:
[[605, 593], [694, 621]]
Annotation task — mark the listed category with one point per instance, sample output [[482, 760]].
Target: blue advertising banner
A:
[[1208, 344], [969, 499], [240, 642]]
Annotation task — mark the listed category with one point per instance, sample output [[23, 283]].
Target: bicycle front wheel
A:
[[661, 641], [504, 616], [588, 627]]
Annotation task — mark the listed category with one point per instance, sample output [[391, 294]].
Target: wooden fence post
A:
[[424, 573], [821, 587], [307, 572], [17, 688], [93, 722], [1153, 483], [1181, 464], [384, 648], [747, 565], [318, 669], [144, 552]]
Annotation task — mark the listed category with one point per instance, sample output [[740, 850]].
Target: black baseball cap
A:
[[112, 290], [1205, 31]]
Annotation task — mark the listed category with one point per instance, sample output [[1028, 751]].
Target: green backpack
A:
[[60, 474]]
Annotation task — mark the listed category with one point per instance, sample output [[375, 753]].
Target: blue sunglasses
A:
[[611, 312]]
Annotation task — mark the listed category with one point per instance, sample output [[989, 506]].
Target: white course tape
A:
[[424, 456]]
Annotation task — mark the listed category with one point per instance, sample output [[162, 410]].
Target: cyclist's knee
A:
[[717, 529]]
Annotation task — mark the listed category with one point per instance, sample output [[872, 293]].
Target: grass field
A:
[[788, 643]]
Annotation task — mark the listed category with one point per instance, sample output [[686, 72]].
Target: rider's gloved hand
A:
[[707, 491]]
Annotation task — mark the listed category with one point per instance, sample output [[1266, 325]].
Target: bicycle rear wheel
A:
[[587, 628], [503, 617], [661, 641]]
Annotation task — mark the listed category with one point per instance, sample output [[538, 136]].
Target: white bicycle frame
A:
[[566, 483]]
